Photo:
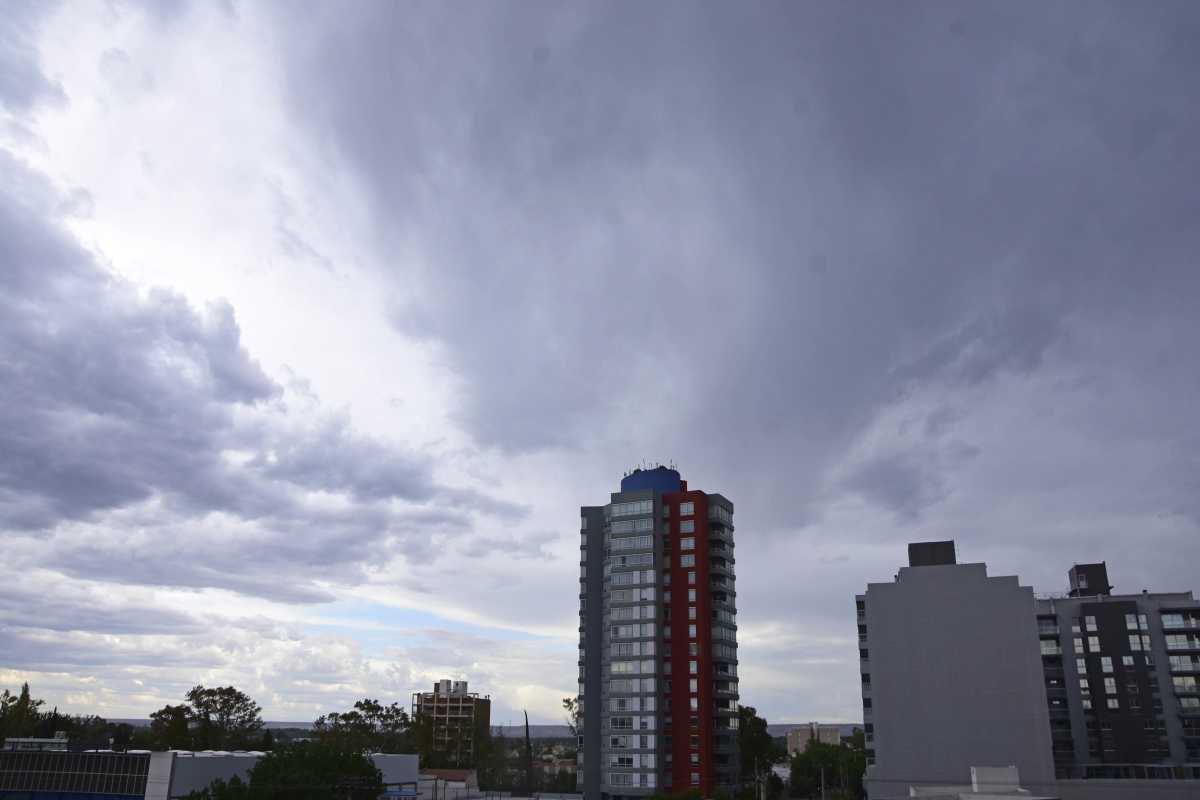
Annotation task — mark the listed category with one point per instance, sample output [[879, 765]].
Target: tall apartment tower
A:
[[457, 718], [951, 676], [1122, 679], [658, 685]]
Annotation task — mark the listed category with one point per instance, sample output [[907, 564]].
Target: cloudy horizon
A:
[[316, 330]]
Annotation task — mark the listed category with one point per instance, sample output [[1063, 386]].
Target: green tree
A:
[[169, 727], [370, 727], [839, 766], [302, 771], [226, 718], [574, 715], [19, 713], [757, 749]]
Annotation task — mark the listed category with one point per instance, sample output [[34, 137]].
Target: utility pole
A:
[[822, 783]]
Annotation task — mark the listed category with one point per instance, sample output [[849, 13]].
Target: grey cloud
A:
[[34, 607], [331, 457], [117, 415], [772, 221], [509, 546], [898, 482], [23, 85], [67, 652]]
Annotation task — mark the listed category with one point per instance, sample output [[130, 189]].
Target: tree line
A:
[[225, 718]]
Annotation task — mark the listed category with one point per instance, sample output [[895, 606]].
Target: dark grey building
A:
[[1122, 675], [658, 684], [951, 676]]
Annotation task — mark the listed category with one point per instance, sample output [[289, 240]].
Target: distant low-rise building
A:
[[142, 775], [31, 743], [799, 737], [458, 717]]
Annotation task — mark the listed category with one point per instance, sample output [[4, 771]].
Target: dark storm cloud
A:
[[774, 220], [121, 409]]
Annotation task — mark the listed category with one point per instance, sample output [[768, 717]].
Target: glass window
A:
[[695, 779], [693, 667], [1135, 643], [1087, 703], [632, 508], [1078, 644], [691, 595], [687, 526], [1143, 623], [1110, 685], [1106, 664], [691, 631], [1081, 665], [1131, 622], [687, 543], [1094, 644], [632, 525], [1113, 703], [1083, 685], [1127, 661], [694, 703], [1090, 622], [688, 560], [691, 577], [691, 612], [686, 509]]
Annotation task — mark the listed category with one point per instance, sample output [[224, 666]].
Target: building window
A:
[[1087, 704], [1078, 644], [1094, 644], [693, 649], [1110, 685], [687, 509], [1135, 643], [1090, 622], [691, 578], [1113, 703], [1106, 665], [693, 684], [1081, 665], [694, 702], [687, 526], [695, 779], [691, 631], [693, 667], [687, 543], [1083, 685], [691, 612], [688, 560], [696, 759], [1126, 661]]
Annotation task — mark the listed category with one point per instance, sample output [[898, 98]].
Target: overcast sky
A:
[[317, 328]]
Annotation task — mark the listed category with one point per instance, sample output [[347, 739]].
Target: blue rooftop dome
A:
[[659, 479]]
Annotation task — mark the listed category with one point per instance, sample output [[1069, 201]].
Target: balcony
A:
[[1184, 625]]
